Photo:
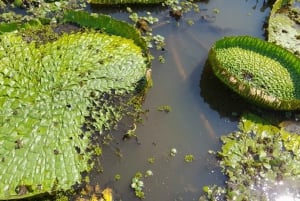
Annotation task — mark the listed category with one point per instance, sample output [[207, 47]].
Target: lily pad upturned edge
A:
[[263, 73], [27, 138], [106, 24]]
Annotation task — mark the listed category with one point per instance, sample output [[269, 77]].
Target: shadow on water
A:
[[219, 97]]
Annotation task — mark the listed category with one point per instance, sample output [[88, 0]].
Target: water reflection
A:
[[287, 198]]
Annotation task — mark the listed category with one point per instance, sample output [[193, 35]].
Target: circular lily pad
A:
[[263, 73], [46, 94]]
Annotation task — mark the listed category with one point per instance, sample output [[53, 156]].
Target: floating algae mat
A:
[[47, 94], [263, 73]]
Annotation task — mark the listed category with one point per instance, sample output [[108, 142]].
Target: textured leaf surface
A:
[[105, 23], [45, 96], [262, 72]]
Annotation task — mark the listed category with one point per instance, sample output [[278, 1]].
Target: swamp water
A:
[[202, 109]]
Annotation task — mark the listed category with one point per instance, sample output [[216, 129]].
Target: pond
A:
[[202, 109]]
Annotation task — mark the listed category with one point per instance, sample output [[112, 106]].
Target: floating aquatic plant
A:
[[105, 23], [260, 160], [164, 108], [263, 73], [173, 152], [283, 26], [188, 158], [48, 94], [138, 185]]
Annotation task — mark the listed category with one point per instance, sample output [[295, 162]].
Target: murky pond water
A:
[[202, 109]]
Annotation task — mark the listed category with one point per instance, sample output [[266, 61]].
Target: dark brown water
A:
[[202, 109]]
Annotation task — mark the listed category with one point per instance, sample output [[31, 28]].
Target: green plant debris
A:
[[189, 158], [164, 108], [117, 177], [161, 59], [137, 184], [151, 160], [148, 173], [260, 161], [263, 73], [216, 10], [179, 8], [173, 152], [47, 94]]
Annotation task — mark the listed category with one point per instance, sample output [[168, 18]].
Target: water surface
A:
[[202, 108]]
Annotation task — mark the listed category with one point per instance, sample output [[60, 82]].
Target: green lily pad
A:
[[261, 72], [46, 95]]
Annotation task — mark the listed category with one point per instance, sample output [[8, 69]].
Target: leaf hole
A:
[[23, 189], [78, 150], [55, 151], [19, 144]]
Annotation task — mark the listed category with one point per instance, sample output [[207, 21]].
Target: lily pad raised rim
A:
[[255, 95]]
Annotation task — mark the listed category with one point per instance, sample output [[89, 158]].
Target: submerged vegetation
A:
[[261, 162]]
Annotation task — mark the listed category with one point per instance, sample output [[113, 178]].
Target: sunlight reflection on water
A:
[[287, 198], [270, 190]]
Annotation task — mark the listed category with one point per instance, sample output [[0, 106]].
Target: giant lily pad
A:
[[46, 94], [261, 72]]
